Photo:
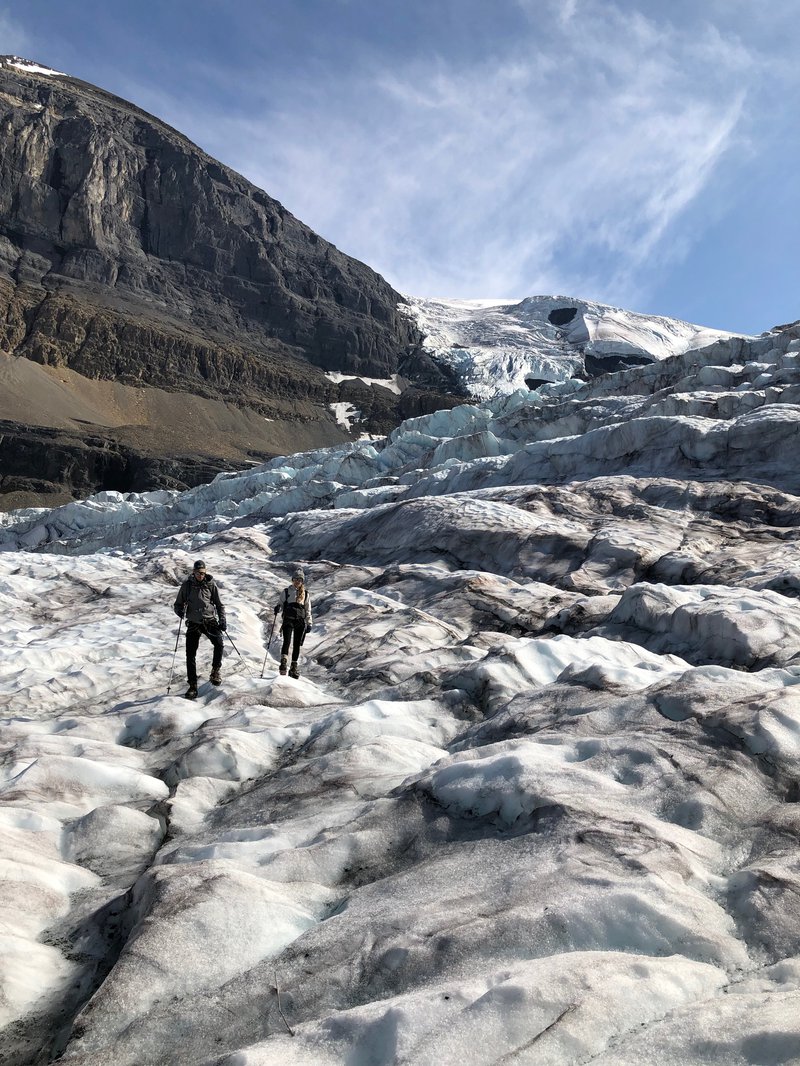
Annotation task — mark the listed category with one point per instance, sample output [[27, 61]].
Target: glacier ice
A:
[[533, 798]]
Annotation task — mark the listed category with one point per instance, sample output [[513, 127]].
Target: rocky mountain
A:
[[129, 256]]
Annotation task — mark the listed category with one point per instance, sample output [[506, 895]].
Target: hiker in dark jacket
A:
[[199, 603], [295, 603]]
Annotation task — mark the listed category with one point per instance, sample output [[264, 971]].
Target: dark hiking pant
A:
[[296, 630], [193, 633]]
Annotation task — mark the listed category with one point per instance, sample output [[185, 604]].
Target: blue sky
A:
[[644, 154]]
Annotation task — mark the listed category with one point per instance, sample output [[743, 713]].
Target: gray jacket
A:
[[200, 600]]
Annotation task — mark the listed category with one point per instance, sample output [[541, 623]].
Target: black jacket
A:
[[200, 600], [293, 611]]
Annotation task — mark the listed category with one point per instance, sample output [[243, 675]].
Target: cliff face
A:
[[127, 253], [94, 191]]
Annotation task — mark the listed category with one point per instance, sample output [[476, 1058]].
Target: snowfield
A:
[[534, 798]]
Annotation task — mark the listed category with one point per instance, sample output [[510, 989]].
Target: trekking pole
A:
[[227, 634], [266, 653], [172, 668]]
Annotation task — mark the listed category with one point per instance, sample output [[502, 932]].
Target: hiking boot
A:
[[293, 671], [216, 677], [190, 693], [284, 663]]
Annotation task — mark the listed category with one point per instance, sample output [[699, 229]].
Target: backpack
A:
[[292, 612]]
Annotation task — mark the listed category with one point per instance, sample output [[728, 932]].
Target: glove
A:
[[223, 625], [308, 629], [178, 611], [277, 610]]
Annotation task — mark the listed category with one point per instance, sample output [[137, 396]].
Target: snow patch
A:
[[35, 68], [346, 414], [393, 384]]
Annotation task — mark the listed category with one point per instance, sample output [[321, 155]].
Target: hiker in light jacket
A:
[[295, 603], [199, 603]]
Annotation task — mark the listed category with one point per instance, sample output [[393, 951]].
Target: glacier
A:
[[534, 798], [498, 346]]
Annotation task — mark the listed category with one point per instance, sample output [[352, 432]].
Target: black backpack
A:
[[292, 612]]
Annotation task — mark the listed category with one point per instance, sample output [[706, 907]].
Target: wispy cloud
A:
[[485, 179], [13, 38], [564, 163]]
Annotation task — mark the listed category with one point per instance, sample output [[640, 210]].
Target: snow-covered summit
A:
[[497, 346], [28, 66]]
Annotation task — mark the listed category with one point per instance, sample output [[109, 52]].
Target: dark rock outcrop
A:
[[35, 460], [127, 253]]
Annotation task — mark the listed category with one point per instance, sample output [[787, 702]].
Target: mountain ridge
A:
[[129, 254]]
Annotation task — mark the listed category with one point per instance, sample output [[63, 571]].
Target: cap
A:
[[300, 574], [199, 564]]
